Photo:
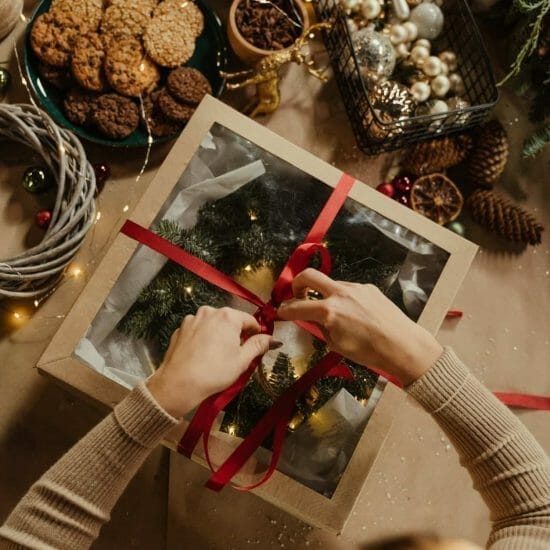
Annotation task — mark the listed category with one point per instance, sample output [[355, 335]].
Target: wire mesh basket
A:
[[376, 134]]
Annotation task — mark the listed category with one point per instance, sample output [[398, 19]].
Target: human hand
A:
[[205, 356], [360, 323]]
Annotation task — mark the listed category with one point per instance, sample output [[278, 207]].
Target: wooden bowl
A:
[[247, 52]]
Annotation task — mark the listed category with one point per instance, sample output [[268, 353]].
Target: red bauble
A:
[[402, 184], [386, 189], [102, 174], [43, 218]]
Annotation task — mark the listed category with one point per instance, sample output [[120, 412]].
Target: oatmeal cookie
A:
[[81, 15], [87, 62], [51, 43], [173, 109], [188, 85], [62, 79], [79, 106], [121, 21], [186, 10], [115, 116], [129, 70]]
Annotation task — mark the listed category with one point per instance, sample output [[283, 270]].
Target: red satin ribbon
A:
[[277, 417]]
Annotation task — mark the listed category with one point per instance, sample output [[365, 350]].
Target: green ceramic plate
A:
[[209, 57]]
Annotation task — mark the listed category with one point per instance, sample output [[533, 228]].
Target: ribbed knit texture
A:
[[68, 505], [508, 467]]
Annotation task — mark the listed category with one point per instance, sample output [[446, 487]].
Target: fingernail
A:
[[275, 344]]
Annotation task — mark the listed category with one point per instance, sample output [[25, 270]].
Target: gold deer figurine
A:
[[266, 74]]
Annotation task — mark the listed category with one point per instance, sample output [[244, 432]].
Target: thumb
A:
[[258, 345]]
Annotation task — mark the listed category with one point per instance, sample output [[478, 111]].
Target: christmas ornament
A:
[[398, 34], [440, 86], [102, 174], [500, 216], [402, 184], [424, 43], [404, 200], [444, 68], [436, 197], [401, 51], [5, 80], [458, 104], [375, 54], [37, 179], [43, 218], [370, 9], [393, 99], [401, 10], [449, 58], [421, 91], [456, 84], [386, 188], [419, 54], [457, 228], [490, 154], [412, 30], [438, 107], [435, 155], [431, 65], [429, 20]]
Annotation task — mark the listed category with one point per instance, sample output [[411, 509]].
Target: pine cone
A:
[[488, 159], [499, 215], [436, 155]]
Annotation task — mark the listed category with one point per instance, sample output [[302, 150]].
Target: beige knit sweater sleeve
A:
[[68, 505], [508, 467]]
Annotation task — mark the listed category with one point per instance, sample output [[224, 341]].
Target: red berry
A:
[[402, 184], [404, 199], [102, 174], [43, 218], [386, 189]]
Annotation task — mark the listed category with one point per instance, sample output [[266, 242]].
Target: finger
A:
[[311, 278], [303, 310], [256, 345]]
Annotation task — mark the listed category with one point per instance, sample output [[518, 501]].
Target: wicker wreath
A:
[[37, 270]]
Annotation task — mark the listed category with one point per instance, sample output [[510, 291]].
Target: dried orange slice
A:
[[436, 197]]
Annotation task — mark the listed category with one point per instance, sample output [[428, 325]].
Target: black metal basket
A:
[[374, 135]]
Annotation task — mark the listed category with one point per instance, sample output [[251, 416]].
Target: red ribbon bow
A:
[[276, 419]]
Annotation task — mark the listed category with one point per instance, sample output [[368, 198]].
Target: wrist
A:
[[175, 402], [423, 352]]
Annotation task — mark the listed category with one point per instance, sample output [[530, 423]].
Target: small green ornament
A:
[[37, 179], [457, 227], [5, 80]]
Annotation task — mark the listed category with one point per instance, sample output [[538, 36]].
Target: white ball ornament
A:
[[370, 9], [438, 107], [412, 30], [431, 66], [456, 84], [423, 42], [420, 91], [419, 54], [449, 58], [401, 51], [444, 68], [398, 34], [440, 85], [429, 20], [401, 9]]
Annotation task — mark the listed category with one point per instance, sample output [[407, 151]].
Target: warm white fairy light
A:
[[97, 217], [248, 267], [126, 208], [253, 216], [75, 271], [36, 303], [231, 429], [17, 315], [188, 289]]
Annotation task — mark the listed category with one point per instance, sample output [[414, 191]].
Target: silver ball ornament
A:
[[420, 91], [431, 66], [429, 20], [440, 85], [375, 53], [412, 30]]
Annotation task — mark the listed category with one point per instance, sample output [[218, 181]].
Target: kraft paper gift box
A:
[[217, 159]]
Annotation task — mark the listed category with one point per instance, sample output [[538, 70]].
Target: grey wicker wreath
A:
[[37, 270]]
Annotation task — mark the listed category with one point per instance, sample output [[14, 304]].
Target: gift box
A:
[[241, 201]]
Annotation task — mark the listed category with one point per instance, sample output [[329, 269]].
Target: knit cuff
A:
[[437, 387], [142, 418]]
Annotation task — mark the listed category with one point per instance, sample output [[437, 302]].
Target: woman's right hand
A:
[[360, 323]]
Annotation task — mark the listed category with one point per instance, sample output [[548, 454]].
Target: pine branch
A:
[[536, 142]]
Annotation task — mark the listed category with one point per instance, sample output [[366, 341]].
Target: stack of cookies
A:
[[111, 61]]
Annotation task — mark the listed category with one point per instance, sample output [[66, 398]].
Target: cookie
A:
[[188, 85], [168, 40], [129, 71], [173, 109], [186, 10], [81, 15], [122, 21], [79, 106], [62, 79], [155, 121], [147, 4], [51, 43], [115, 116], [87, 62]]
